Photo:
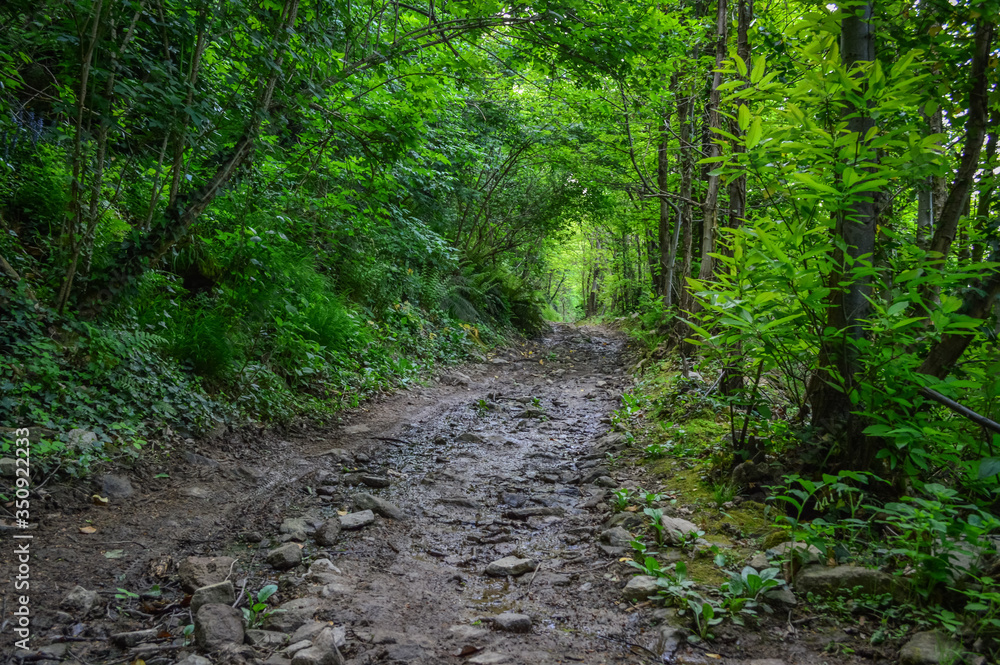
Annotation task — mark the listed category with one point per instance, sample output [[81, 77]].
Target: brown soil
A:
[[404, 583]]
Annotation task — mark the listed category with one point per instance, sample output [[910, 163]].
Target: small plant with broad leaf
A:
[[748, 590], [259, 610]]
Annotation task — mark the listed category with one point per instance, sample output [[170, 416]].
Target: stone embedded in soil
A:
[[677, 530], [371, 480], [668, 640], [759, 561], [328, 532], [307, 631], [612, 441], [617, 537], [460, 501], [804, 552], [530, 413], [467, 633], [379, 506], [265, 638], [488, 658], [640, 588], [194, 659], [116, 487], [195, 459], [605, 481], [134, 637], [357, 520], [323, 571], [296, 528], [294, 614], [823, 580], [455, 379], [285, 557], [79, 601], [322, 652], [8, 466], [783, 596], [930, 647], [765, 661], [357, 429], [200, 571], [471, 437], [222, 593], [539, 511], [196, 492], [81, 438], [510, 565], [513, 623], [217, 626]]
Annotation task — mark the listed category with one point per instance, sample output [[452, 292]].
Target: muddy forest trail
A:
[[503, 459]]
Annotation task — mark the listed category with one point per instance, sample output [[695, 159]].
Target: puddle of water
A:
[[494, 597]]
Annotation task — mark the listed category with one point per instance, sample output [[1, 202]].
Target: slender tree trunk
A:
[[687, 156], [855, 229], [663, 228], [710, 218], [732, 380]]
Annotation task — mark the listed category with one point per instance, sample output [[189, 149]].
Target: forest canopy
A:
[[227, 210]]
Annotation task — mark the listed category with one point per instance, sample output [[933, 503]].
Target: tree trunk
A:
[[975, 132], [686, 121], [711, 205], [836, 378], [663, 235]]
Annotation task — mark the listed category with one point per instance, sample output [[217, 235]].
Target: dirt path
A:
[[505, 459], [487, 467]]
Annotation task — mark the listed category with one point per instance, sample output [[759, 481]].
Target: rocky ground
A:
[[462, 522]]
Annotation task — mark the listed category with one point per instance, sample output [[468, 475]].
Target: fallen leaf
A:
[[468, 650], [114, 554], [88, 529], [713, 655], [341, 512], [99, 500], [625, 558]]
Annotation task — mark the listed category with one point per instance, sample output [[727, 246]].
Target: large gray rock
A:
[[640, 588], [327, 533], [221, 593], [930, 647], [357, 520], [471, 437], [217, 626], [79, 601], [455, 379], [676, 530], [510, 565], [200, 571], [513, 623], [823, 580], [617, 537], [116, 487], [285, 557], [378, 506], [293, 615]]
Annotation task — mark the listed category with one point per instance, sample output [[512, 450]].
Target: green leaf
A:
[[754, 133], [988, 467], [758, 69]]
